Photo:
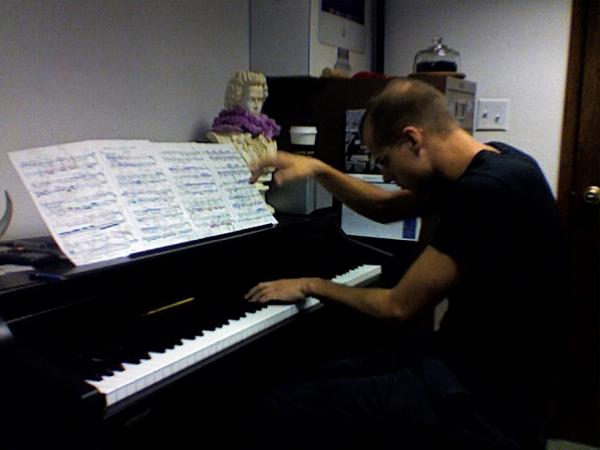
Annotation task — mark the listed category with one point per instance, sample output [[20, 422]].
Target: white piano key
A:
[[161, 365]]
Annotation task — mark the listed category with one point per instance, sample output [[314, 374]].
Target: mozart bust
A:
[[241, 123]]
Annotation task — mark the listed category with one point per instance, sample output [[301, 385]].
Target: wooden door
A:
[[579, 170]]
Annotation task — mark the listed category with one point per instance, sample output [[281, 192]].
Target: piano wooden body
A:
[[68, 344]]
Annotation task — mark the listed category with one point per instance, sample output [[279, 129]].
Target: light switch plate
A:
[[492, 114]]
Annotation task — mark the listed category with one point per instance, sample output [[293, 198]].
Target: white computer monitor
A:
[[353, 224], [342, 24]]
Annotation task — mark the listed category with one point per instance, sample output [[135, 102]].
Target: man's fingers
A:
[[258, 294], [279, 177], [254, 291], [254, 177], [259, 167]]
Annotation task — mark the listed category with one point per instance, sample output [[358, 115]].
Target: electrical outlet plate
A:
[[492, 114]]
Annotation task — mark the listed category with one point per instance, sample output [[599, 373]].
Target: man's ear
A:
[[414, 136]]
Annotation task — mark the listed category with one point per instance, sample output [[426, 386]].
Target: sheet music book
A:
[[105, 199]]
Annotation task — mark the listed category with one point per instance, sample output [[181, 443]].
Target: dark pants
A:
[[385, 400]]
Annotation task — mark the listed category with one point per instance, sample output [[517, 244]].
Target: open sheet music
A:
[[110, 198]]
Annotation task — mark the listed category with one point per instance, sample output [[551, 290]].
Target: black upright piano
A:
[[90, 352]]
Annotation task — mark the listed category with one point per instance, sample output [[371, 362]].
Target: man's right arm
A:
[[364, 198]]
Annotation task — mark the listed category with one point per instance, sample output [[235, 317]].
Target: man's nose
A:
[[387, 176]]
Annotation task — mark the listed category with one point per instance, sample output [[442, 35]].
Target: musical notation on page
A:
[[110, 198]]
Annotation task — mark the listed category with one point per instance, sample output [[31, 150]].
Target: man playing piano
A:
[[480, 381]]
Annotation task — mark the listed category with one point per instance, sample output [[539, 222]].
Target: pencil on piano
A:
[[169, 306]]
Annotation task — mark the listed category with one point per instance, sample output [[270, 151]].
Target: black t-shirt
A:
[[500, 224]]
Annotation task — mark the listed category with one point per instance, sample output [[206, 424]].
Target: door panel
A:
[[579, 419]]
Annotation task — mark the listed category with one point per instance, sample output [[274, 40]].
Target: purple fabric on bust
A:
[[237, 119]]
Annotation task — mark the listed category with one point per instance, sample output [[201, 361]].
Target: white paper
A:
[[110, 198], [354, 224]]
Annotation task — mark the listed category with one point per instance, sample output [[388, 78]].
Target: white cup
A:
[[303, 135]]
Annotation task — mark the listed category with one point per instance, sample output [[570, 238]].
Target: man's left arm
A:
[[425, 283]]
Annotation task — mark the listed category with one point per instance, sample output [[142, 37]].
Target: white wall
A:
[[279, 37], [514, 49], [80, 69]]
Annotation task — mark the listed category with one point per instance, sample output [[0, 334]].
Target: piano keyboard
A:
[[134, 378]]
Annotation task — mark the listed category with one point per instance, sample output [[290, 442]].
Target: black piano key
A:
[[160, 332], [132, 341]]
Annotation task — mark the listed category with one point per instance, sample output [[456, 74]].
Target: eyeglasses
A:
[[382, 162]]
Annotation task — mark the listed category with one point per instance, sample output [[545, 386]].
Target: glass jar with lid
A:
[[437, 58]]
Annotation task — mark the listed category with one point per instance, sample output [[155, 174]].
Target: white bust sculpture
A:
[[243, 125], [254, 98]]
